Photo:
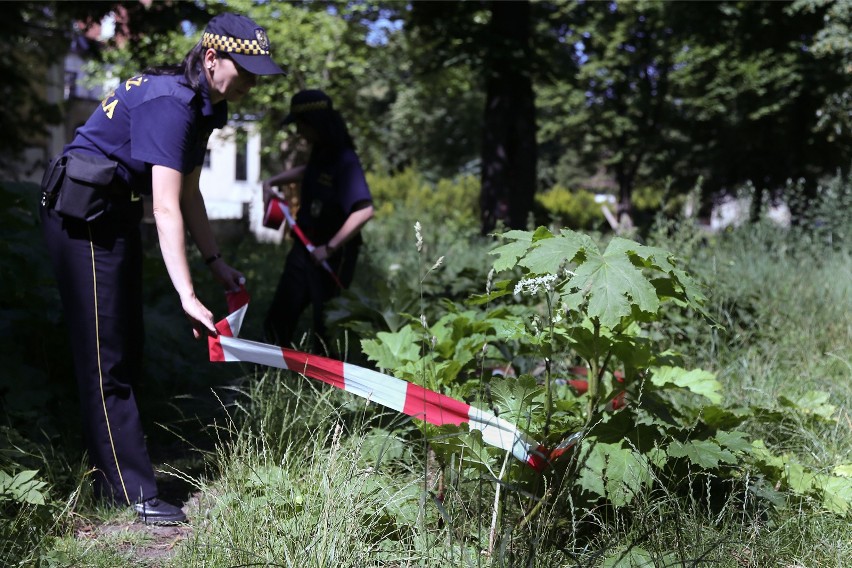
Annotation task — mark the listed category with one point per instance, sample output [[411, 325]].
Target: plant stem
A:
[[498, 507], [592, 376], [548, 400]]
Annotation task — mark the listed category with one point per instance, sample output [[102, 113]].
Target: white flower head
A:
[[419, 236], [490, 281], [423, 321], [438, 263], [532, 285]]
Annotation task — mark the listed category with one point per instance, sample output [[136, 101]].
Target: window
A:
[[241, 144]]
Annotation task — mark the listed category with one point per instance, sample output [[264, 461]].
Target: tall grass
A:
[[305, 475], [303, 483]]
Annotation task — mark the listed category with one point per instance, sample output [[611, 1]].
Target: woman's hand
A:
[[199, 316], [268, 194], [230, 277], [321, 253]]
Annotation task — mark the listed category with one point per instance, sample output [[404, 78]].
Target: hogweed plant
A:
[[568, 348]]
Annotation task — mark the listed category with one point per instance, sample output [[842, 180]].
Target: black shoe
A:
[[156, 512]]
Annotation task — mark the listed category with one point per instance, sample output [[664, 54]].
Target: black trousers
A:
[[98, 267], [304, 283]]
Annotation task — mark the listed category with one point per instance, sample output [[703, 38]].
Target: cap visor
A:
[[257, 64]]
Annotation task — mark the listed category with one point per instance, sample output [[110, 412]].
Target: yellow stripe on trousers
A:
[[100, 370]]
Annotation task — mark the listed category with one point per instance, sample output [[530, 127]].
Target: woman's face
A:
[[228, 81]]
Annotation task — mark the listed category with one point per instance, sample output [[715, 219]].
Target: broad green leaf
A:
[[508, 254], [836, 493], [659, 258], [718, 417], [812, 402], [762, 454], [697, 380], [459, 440], [636, 557], [799, 478], [517, 399], [23, 487], [613, 285], [499, 290], [390, 350], [510, 328], [692, 290], [615, 473], [591, 475], [703, 453], [547, 255], [468, 347], [735, 441], [843, 470]]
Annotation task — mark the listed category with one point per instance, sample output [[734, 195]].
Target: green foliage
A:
[[575, 209], [599, 308], [733, 440], [683, 91], [409, 190], [22, 487]]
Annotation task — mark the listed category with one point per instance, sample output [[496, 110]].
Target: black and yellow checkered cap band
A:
[[233, 44], [308, 107]]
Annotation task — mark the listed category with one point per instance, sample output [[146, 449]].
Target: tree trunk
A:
[[509, 152], [624, 209]]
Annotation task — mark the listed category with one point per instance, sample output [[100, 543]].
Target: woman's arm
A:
[[167, 188], [286, 177], [351, 227], [195, 215]]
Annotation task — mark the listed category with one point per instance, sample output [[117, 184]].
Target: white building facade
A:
[[231, 179]]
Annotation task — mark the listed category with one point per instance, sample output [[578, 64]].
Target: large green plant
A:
[[568, 304]]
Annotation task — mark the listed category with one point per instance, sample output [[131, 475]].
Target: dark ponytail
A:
[[191, 68]]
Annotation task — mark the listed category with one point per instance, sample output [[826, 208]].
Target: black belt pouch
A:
[[83, 187]]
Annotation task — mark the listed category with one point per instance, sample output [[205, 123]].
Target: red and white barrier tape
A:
[[273, 219], [385, 390]]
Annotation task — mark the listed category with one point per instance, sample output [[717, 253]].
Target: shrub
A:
[[457, 198], [577, 209]]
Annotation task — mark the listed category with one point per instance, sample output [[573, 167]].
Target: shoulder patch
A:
[[144, 88]]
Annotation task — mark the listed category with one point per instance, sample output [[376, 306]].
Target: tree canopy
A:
[[529, 95]]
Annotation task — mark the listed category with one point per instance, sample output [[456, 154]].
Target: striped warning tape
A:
[[273, 219], [388, 391]]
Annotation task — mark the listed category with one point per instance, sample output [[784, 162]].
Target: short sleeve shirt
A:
[[151, 120], [331, 187]]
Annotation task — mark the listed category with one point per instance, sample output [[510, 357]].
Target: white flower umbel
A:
[[532, 285]]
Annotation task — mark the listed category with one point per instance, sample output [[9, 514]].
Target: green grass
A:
[[297, 488], [282, 471]]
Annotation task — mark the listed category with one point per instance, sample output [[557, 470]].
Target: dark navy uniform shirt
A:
[[331, 187], [151, 120]]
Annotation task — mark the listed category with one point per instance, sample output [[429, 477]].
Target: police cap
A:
[[308, 104], [243, 40]]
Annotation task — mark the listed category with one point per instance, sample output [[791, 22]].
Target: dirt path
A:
[[152, 546]]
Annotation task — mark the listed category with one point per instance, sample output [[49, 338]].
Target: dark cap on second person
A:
[[308, 103], [243, 40]]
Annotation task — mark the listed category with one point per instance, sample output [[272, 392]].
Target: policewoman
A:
[[148, 137], [334, 204]]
